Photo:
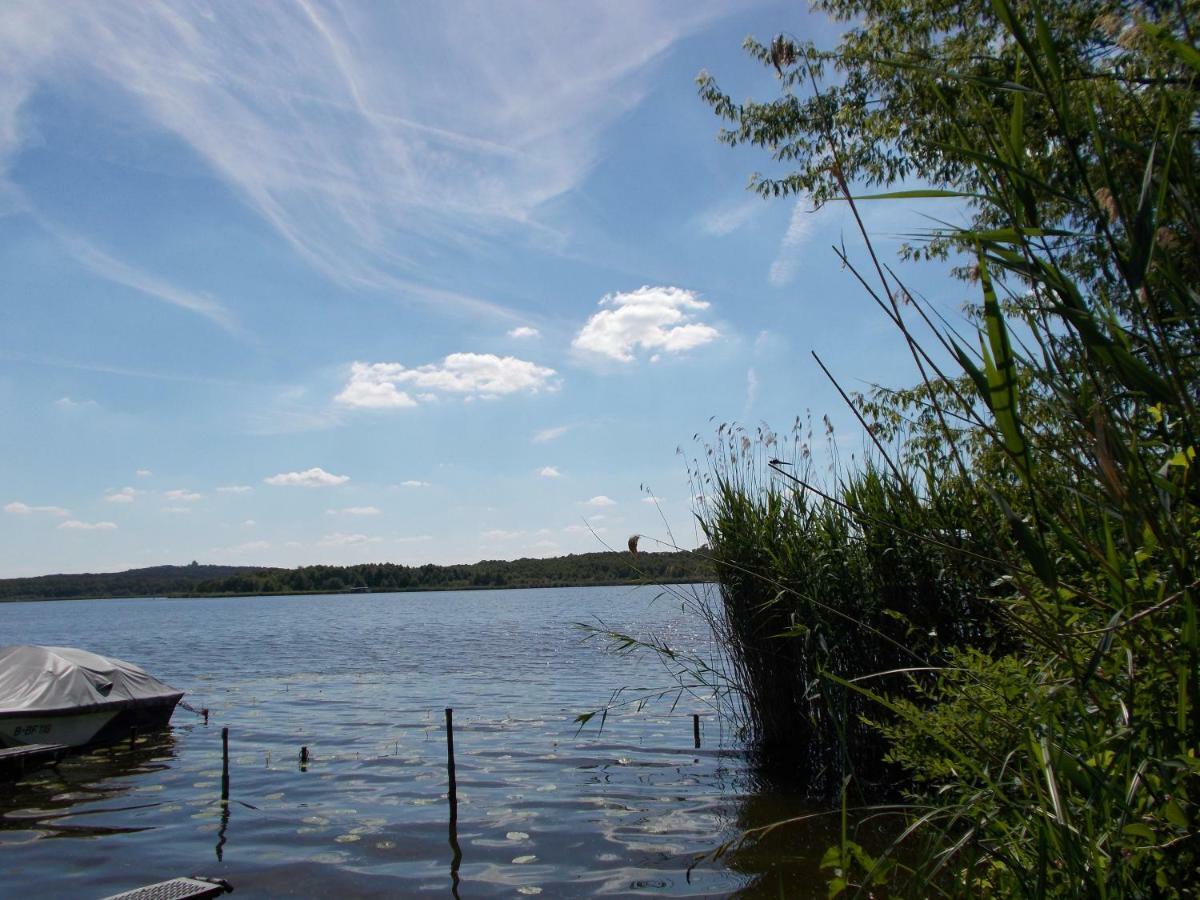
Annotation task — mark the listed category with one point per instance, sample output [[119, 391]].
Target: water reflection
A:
[[54, 800]]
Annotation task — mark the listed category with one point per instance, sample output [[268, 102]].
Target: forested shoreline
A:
[[195, 580]]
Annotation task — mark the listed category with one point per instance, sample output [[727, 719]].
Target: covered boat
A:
[[60, 695]]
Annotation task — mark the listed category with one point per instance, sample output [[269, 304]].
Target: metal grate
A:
[[193, 888]]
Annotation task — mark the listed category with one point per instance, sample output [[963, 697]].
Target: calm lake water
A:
[[362, 681]]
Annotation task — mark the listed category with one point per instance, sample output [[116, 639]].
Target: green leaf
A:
[[1001, 369], [1138, 830]]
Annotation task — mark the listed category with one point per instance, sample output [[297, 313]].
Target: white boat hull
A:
[[71, 730]]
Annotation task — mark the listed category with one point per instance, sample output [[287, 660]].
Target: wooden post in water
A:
[[225, 764], [456, 849], [450, 764], [304, 759], [696, 729]]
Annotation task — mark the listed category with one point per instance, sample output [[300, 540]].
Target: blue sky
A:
[[309, 282]]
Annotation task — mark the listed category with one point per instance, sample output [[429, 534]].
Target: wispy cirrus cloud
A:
[[323, 120], [801, 228], [550, 434], [112, 269], [729, 217], [77, 525], [17, 508]]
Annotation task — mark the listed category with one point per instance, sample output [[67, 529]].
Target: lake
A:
[[362, 681]]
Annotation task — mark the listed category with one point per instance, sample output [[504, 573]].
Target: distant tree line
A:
[[197, 580], [157, 581]]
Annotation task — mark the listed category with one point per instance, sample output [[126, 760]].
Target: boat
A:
[[61, 695]]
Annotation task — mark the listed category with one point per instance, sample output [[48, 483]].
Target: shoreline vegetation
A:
[[196, 580], [993, 614]]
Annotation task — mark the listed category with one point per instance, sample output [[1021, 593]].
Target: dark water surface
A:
[[362, 681]]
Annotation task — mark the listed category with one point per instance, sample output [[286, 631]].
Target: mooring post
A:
[[450, 764], [303, 759], [225, 763], [696, 729], [456, 849], [204, 712]]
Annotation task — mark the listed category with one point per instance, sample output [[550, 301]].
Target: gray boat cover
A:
[[43, 679]]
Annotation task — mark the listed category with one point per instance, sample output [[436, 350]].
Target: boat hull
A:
[[80, 728]]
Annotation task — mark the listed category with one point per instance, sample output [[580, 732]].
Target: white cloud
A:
[[177, 510], [234, 489], [247, 547], [728, 218], [314, 477], [600, 500], [143, 473], [23, 509], [124, 495], [413, 483], [323, 120], [583, 529], [524, 331], [115, 270], [549, 472], [800, 228], [652, 500], [485, 375], [249, 523], [354, 511], [549, 434], [69, 403], [499, 534], [76, 525], [414, 539], [652, 318], [338, 539], [183, 495]]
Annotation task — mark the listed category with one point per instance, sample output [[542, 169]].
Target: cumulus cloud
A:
[[18, 508], [549, 472], [652, 500], [314, 477], [524, 331], [183, 495], [650, 318], [143, 473], [354, 511], [76, 525], [234, 489], [485, 375], [600, 501], [338, 539], [124, 495], [413, 483]]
